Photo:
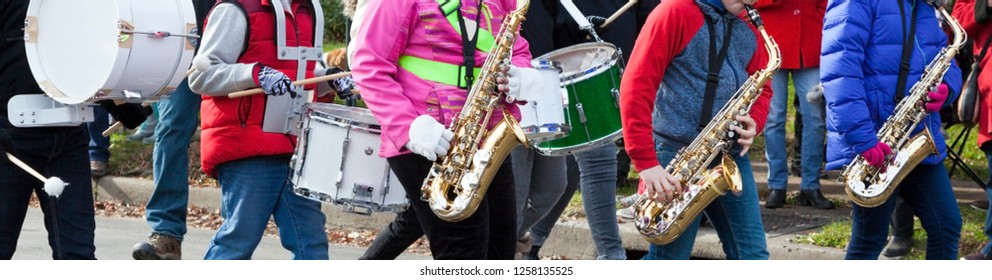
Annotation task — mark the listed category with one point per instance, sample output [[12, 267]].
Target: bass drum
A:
[[83, 51]]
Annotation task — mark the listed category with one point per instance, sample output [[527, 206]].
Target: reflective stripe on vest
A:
[[443, 72]]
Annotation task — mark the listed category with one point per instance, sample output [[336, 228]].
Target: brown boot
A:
[[159, 247]]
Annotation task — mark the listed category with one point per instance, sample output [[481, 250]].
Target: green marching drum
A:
[[591, 75]]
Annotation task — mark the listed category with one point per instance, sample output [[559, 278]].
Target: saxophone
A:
[[661, 223], [868, 186], [456, 183]]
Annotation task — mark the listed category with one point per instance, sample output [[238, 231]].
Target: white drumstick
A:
[[53, 186], [618, 13], [576, 14]]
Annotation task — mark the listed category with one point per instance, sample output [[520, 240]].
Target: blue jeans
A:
[[737, 220], [813, 130], [58, 152], [928, 190], [598, 184], [254, 189], [166, 209], [99, 147], [539, 182]]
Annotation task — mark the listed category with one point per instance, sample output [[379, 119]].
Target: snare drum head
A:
[[71, 46], [579, 62]]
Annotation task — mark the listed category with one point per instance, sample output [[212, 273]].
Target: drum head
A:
[[72, 46], [582, 61]]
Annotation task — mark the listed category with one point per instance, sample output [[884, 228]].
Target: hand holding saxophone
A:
[[936, 97], [429, 138], [875, 156], [660, 185], [519, 84], [746, 132]]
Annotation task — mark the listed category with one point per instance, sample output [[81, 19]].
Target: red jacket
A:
[[964, 12], [232, 128], [797, 26]]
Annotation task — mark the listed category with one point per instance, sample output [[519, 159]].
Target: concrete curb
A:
[[571, 239]]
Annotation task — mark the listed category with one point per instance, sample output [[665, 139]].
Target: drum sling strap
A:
[[907, 50], [713, 77], [462, 75]]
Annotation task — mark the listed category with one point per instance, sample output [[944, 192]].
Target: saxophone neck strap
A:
[[713, 76], [909, 39]]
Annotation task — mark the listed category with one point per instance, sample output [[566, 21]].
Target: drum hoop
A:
[[588, 73], [345, 123], [602, 141]]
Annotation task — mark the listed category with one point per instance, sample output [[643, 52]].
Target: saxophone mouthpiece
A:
[[752, 14]]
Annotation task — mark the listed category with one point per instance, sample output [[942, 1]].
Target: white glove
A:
[[429, 138], [525, 84]]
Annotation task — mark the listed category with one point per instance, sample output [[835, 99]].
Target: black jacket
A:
[[15, 74]]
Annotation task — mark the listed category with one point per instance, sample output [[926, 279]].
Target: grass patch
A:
[[838, 234]]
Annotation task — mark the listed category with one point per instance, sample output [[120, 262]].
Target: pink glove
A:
[[876, 155], [936, 98]]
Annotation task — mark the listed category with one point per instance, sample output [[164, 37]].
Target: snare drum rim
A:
[[564, 151], [588, 73]]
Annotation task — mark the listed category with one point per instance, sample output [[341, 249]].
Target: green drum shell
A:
[[593, 112]]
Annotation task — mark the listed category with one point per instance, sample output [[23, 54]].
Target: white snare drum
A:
[[336, 161], [544, 119], [81, 51]]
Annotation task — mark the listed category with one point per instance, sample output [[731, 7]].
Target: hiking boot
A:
[[898, 247], [158, 247], [98, 168]]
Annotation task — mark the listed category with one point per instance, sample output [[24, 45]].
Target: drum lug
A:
[[616, 97], [582, 112]]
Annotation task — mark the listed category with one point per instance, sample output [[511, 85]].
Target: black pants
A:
[[490, 233], [395, 238]]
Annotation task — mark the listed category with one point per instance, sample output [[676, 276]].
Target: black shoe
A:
[[814, 198], [533, 254], [775, 199], [898, 247]]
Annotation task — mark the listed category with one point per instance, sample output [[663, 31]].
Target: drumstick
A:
[[618, 13], [254, 91], [53, 185]]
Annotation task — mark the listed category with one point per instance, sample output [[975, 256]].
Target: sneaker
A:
[[980, 205], [158, 247], [976, 257], [141, 134], [98, 168], [626, 213], [627, 201]]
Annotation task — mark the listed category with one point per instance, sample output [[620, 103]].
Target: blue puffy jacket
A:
[[860, 59]]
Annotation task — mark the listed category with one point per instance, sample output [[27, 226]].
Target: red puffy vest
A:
[[232, 128]]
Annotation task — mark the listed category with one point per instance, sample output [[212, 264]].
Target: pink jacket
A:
[[417, 28]]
